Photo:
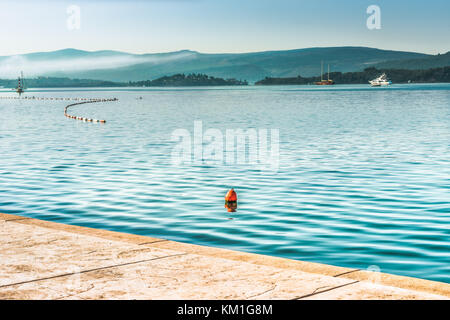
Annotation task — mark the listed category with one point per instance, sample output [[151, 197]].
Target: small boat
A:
[[323, 82], [380, 81]]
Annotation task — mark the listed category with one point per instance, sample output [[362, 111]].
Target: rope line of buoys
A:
[[53, 98], [83, 118], [82, 101]]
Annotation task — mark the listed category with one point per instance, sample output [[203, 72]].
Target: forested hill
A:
[[123, 67], [182, 80], [176, 80], [437, 61], [54, 82], [434, 75]]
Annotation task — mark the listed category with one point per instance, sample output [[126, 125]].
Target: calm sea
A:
[[363, 178]]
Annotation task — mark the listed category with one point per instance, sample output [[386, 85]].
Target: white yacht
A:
[[380, 81]]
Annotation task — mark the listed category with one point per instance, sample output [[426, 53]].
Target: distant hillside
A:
[[124, 67], [52, 82], [181, 80], [178, 80], [441, 75], [437, 61]]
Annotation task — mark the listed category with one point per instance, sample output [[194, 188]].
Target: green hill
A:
[[437, 61], [177, 80], [124, 67], [181, 80], [435, 75]]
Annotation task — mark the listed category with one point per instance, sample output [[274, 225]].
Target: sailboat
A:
[[323, 82], [20, 84]]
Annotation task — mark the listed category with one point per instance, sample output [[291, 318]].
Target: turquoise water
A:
[[363, 179]]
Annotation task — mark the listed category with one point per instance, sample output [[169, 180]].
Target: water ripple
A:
[[363, 176]]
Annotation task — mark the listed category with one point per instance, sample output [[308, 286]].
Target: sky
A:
[[221, 26]]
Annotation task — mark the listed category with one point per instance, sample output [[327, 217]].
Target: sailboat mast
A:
[[328, 72], [20, 84], [321, 71]]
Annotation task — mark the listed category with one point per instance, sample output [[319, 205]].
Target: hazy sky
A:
[[222, 25]]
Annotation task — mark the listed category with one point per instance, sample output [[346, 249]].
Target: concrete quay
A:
[[48, 260]]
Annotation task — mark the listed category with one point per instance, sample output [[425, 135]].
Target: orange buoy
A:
[[231, 196]]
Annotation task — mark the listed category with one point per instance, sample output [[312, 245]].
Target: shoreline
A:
[[235, 87], [49, 260]]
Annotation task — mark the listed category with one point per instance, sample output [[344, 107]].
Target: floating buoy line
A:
[[88, 101], [81, 101]]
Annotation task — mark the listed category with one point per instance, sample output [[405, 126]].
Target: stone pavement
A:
[[47, 260]]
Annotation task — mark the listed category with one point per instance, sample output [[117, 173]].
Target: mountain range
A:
[[123, 67]]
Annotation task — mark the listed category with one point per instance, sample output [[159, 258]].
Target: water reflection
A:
[[231, 206]]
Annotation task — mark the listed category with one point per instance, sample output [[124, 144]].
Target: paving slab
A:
[[373, 291], [47, 260], [29, 252], [185, 276]]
